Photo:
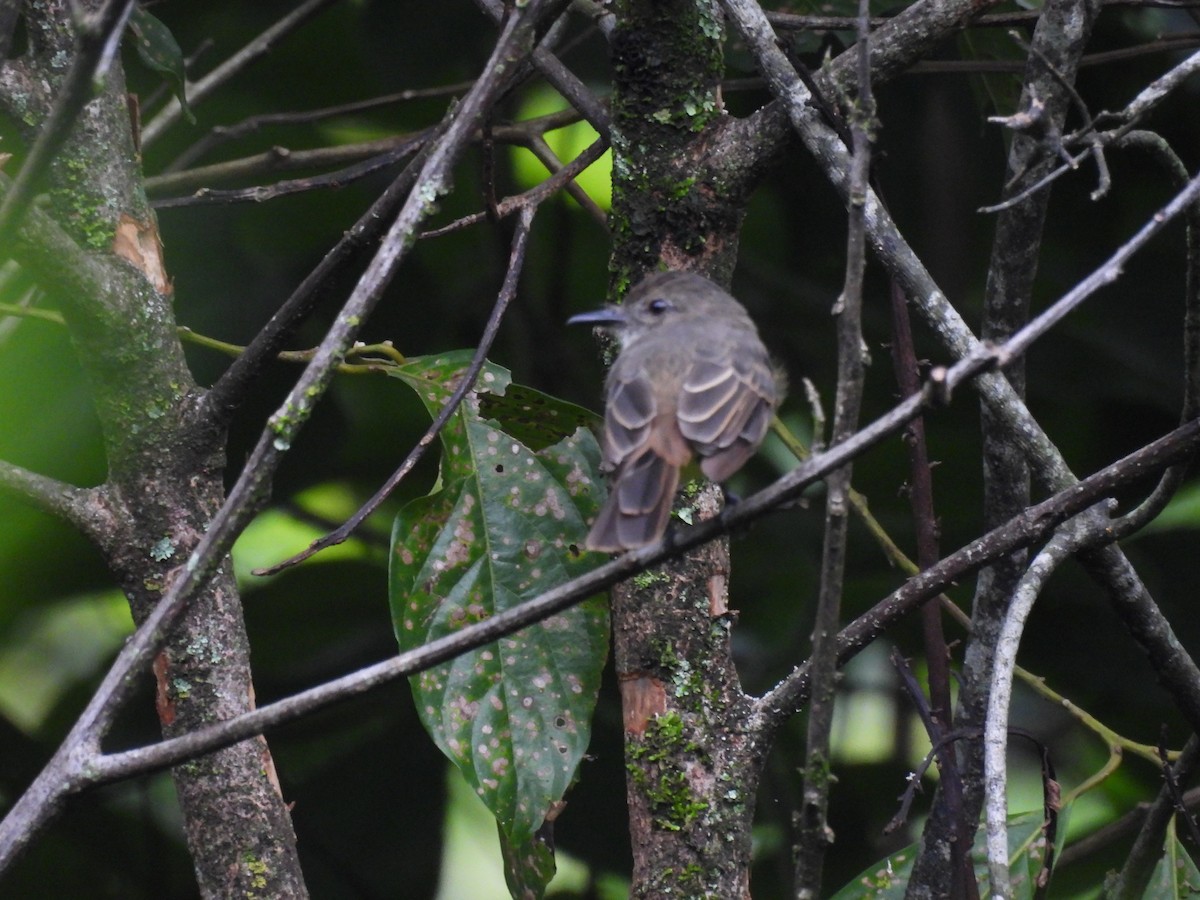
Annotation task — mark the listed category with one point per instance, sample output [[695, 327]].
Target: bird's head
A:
[[661, 299]]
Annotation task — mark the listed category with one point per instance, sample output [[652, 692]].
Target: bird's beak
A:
[[609, 315]]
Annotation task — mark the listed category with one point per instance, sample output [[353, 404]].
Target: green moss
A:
[[258, 871], [673, 805], [89, 219], [649, 578]]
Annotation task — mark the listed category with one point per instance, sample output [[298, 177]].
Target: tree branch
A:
[[814, 834], [772, 709], [85, 509], [197, 92], [1087, 528], [516, 264], [34, 809], [193, 187], [96, 40], [222, 134]]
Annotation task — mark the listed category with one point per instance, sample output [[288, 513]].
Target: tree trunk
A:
[[691, 774], [165, 467]]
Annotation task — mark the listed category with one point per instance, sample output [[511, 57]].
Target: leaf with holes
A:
[[504, 524]]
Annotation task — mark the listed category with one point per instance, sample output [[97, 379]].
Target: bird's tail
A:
[[638, 505]]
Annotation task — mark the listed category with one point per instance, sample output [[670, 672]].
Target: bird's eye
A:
[[658, 306]]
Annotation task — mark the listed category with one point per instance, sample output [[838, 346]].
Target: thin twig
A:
[[915, 777], [63, 773], [1138, 107], [202, 179], [194, 186], [814, 834], [197, 92], [1171, 43], [1029, 527], [531, 197], [539, 148], [516, 263], [223, 134], [264, 192]]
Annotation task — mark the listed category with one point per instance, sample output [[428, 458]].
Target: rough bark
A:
[[691, 782], [165, 466]]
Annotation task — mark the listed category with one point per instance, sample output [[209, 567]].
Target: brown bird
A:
[[692, 378]]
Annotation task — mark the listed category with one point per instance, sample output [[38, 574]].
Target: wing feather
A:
[[727, 418]]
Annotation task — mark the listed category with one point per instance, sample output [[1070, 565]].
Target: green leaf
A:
[[1183, 511], [995, 93], [888, 879], [1175, 875], [567, 142], [160, 51], [537, 420], [529, 864], [504, 525]]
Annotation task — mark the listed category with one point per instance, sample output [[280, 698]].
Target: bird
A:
[[692, 379]]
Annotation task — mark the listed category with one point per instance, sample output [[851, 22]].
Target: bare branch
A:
[[197, 92], [178, 188], [34, 809], [1085, 529], [222, 134], [772, 709], [531, 197], [814, 834], [1138, 107], [86, 509], [1159, 89], [508, 290]]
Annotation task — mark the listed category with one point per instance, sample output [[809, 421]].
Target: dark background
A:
[[368, 786]]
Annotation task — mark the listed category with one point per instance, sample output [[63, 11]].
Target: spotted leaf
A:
[[504, 525]]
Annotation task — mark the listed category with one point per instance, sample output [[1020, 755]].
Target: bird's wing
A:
[[725, 407], [633, 424]]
